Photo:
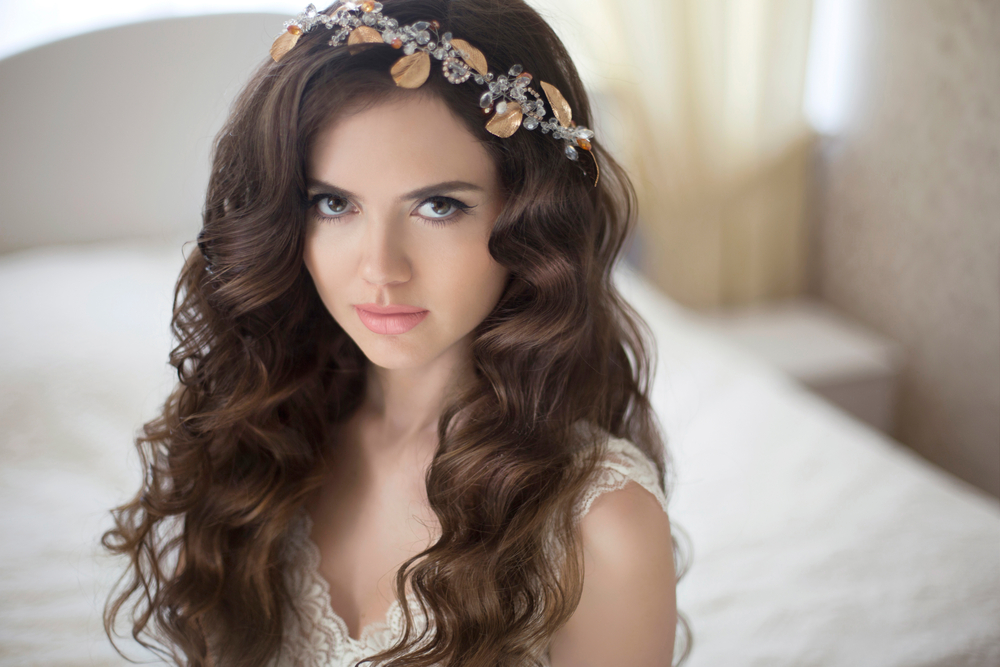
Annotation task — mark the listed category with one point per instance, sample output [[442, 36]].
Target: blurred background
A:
[[819, 180]]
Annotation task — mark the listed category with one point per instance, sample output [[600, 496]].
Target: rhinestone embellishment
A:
[[509, 97], [455, 70]]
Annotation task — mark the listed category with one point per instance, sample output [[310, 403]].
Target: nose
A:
[[384, 260]]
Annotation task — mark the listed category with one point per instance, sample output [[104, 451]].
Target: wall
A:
[[906, 215], [131, 159]]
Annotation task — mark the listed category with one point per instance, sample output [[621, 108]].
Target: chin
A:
[[394, 362], [391, 352]]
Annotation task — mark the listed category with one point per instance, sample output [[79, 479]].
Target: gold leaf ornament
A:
[[560, 107], [505, 124], [475, 59], [360, 36], [411, 71], [284, 43]]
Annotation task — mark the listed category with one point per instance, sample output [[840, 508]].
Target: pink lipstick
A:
[[390, 320]]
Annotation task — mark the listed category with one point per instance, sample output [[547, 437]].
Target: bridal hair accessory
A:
[[510, 99]]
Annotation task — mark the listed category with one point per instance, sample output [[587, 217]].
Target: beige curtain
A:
[[702, 101]]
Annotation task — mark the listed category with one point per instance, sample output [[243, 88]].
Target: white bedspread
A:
[[816, 541]]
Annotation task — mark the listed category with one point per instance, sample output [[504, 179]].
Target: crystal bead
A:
[[485, 100], [502, 106], [494, 87], [446, 38], [440, 52], [410, 48], [311, 11], [421, 25], [479, 79], [423, 37], [515, 70], [454, 70], [388, 36], [369, 19], [571, 153], [392, 23], [529, 123]]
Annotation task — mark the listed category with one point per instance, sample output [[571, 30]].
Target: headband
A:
[[509, 97]]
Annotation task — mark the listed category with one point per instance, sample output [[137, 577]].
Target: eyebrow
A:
[[419, 193]]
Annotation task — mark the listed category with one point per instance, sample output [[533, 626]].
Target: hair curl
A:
[[264, 371]]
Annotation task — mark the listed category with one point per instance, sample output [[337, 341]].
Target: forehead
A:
[[399, 144]]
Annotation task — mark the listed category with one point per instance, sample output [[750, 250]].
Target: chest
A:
[[370, 516]]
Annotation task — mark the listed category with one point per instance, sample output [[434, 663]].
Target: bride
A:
[[412, 422]]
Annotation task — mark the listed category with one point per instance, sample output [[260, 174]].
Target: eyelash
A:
[[437, 222]]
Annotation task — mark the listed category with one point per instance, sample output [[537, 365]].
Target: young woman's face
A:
[[403, 202]]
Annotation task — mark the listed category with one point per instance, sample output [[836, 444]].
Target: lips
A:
[[389, 310], [390, 320]]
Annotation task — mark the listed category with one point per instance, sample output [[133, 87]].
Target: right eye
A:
[[330, 206]]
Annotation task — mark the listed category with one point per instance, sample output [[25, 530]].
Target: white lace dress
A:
[[317, 637]]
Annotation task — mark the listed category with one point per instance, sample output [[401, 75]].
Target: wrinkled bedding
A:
[[814, 540]]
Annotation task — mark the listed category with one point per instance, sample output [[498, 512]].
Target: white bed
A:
[[816, 540]]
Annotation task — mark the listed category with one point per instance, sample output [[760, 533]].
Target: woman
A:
[[412, 421]]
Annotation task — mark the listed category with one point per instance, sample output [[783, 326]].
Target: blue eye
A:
[[330, 206], [441, 208], [438, 209]]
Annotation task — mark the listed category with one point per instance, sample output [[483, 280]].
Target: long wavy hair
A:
[[264, 372]]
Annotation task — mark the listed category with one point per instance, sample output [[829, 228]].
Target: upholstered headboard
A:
[[107, 134]]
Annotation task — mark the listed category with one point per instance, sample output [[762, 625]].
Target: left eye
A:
[[440, 207], [330, 206]]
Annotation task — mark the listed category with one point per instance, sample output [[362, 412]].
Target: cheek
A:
[[322, 263], [466, 278]]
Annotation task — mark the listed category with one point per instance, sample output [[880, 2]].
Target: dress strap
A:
[[623, 462]]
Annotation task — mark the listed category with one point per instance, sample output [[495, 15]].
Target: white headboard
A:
[[106, 135]]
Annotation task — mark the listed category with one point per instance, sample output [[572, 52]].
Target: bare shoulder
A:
[[628, 611]]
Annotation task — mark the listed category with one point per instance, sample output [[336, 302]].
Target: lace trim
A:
[[317, 637], [623, 462], [316, 634]]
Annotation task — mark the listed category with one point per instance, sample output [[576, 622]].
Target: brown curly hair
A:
[[264, 371]]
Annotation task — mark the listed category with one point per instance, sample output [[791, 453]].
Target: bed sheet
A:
[[814, 539]]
